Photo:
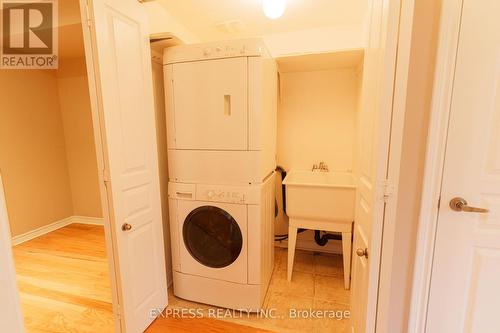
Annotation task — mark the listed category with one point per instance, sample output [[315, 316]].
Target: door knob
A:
[[362, 252], [460, 205], [126, 227]]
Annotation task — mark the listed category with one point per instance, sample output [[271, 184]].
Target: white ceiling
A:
[[202, 17]]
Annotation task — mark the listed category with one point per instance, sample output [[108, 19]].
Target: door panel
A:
[[360, 279], [128, 127], [371, 169], [211, 104], [466, 267]]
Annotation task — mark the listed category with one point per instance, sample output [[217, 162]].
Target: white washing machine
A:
[[221, 101], [222, 242]]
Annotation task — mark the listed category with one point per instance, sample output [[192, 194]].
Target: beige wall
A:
[[317, 119], [80, 149], [47, 152], [32, 150]]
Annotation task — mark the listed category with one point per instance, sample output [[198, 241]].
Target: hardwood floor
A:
[[63, 281], [205, 325], [64, 287]]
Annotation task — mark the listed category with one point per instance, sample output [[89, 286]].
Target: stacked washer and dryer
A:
[[221, 132]]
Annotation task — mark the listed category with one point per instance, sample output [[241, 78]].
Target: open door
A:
[[122, 66], [11, 319], [376, 121]]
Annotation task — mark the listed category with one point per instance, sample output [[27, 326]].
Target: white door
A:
[[373, 119], [211, 104], [128, 127], [465, 289], [359, 294]]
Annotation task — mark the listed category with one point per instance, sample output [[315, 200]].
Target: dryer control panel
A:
[[215, 50]]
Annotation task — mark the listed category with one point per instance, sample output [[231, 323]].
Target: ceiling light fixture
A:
[[274, 8]]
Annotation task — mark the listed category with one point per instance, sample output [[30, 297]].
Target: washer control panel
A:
[[227, 194]]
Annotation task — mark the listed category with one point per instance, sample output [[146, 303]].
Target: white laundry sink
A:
[[321, 196]]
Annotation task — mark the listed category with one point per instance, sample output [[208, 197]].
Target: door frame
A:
[[99, 139], [449, 33]]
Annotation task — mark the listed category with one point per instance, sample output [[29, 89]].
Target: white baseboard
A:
[[54, 226], [87, 220], [305, 241]]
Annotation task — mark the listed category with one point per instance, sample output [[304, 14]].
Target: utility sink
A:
[[324, 201], [323, 196]]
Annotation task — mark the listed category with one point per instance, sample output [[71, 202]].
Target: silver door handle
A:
[[460, 205]]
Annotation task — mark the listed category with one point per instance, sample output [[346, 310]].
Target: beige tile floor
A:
[[317, 284]]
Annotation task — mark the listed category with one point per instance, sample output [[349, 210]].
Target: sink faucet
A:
[[321, 167]]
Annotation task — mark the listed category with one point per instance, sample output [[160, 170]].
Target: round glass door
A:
[[212, 236]]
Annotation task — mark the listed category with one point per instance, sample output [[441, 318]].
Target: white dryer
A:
[[221, 112], [222, 242]]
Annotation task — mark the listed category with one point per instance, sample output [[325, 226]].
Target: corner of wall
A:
[[160, 20]]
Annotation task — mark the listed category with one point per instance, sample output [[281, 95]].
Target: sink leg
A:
[[292, 240], [346, 255]]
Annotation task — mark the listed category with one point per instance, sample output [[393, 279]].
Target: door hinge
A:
[[87, 13], [388, 190], [105, 176]]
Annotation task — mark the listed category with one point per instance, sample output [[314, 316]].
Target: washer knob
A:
[[211, 194]]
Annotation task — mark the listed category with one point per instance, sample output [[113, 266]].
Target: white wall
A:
[[160, 21], [316, 40], [317, 119]]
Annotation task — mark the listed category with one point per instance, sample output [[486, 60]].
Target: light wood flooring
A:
[[63, 281], [64, 287]]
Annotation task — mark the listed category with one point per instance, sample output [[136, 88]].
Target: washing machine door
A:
[[213, 240], [212, 236]]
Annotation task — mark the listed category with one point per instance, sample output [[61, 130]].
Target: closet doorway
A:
[[51, 182]]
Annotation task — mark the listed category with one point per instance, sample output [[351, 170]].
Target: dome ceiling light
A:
[[273, 8]]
